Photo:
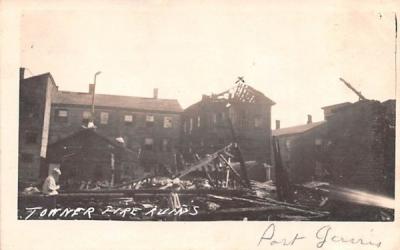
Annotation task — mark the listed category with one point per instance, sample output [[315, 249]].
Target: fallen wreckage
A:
[[213, 188]]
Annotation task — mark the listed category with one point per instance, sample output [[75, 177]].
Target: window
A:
[[318, 141], [219, 119], [198, 121], [191, 125], [86, 116], [167, 122], [61, 115], [184, 127], [149, 121], [31, 137], [25, 157], [148, 143], [103, 118], [165, 145], [257, 122], [288, 144], [243, 123], [129, 119]]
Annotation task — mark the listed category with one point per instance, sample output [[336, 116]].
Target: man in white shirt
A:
[[49, 186]]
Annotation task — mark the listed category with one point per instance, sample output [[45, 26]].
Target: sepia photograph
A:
[[115, 123], [249, 115]]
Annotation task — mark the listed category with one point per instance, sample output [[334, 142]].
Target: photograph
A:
[[224, 112]]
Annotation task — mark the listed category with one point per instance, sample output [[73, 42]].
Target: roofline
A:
[[60, 104], [333, 105], [48, 74], [115, 144], [128, 96], [295, 133]]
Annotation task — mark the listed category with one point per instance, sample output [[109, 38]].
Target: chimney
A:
[[155, 93], [91, 88], [277, 124], [21, 73], [309, 119]]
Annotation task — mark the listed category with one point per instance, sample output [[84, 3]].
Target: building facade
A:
[[300, 149], [34, 121], [241, 114], [150, 127], [354, 147]]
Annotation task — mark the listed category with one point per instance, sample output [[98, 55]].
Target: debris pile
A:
[[212, 188]]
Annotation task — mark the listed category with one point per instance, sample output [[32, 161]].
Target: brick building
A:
[[206, 125], [148, 126], [34, 120], [354, 147], [359, 146]]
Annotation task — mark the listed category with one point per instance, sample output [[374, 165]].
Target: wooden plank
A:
[[236, 174]]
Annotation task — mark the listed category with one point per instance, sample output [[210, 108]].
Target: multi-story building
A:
[[354, 147], [34, 120], [241, 114], [148, 126]]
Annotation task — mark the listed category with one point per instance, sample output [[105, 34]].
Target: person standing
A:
[[50, 187]]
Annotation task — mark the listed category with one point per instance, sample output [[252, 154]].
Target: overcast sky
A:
[[294, 55]]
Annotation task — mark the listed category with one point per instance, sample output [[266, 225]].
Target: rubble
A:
[[211, 189]]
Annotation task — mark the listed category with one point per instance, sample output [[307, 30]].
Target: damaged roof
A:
[[296, 129], [239, 93], [129, 102]]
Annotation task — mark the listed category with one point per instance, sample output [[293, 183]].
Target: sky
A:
[[293, 54]]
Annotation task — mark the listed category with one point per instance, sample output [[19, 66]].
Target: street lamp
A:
[[93, 92]]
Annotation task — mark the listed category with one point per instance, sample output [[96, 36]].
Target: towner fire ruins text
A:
[[91, 212]]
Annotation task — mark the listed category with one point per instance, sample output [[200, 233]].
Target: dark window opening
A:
[[243, 121]]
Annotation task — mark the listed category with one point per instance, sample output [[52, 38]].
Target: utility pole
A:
[[93, 93]]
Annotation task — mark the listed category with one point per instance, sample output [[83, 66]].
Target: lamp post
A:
[[93, 92]]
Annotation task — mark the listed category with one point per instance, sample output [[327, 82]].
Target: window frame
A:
[[107, 115], [166, 118], [149, 122], [59, 117]]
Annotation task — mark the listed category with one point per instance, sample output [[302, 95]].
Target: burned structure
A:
[[353, 147], [88, 158], [241, 114], [150, 127], [217, 154]]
